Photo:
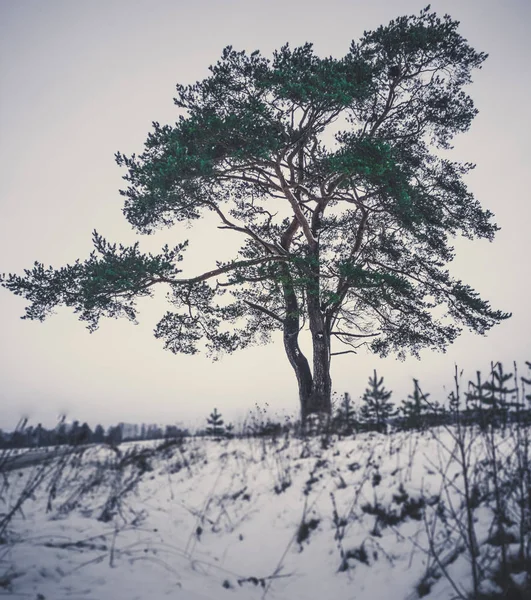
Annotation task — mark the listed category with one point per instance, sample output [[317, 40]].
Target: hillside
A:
[[373, 517]]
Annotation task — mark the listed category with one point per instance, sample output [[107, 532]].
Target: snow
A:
[[212, 519]]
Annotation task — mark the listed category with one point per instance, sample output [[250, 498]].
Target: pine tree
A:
[[415, 408], [99, 434], [498, 400], [377, 408], [73, 433], [85, 434], [356, 253], [39, 435], [492, 399], [114, 436], [477, 401], [345, 418], [173, 432], [215, 423], [476, 397], [436, 415], [61, 433], [29, 437]]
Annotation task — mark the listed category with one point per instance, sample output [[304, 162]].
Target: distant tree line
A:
[[29, 436]]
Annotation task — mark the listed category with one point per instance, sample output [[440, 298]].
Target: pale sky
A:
[[81, 80]]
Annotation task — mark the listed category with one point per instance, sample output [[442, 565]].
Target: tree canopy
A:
[[335, 171]]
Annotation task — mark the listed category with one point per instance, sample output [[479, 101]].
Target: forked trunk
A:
[[314, 390]]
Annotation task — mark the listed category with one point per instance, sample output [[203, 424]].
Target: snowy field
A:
[[369, 518]]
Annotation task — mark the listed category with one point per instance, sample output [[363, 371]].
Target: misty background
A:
[[82, 80]]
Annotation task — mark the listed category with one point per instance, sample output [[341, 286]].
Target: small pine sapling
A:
[[345, 417], [498, 399], [477, 400], [215, 424], [377, 408], [414, 409], [436, 415]]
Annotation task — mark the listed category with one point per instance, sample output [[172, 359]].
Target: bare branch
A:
[[344, 352], [264, 310], [303, 222], [246, 230], [356, 335], [221, 270]]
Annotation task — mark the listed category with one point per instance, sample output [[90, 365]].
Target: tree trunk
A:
[[314, 390], [291, 344], [302, 371], [319, 401]]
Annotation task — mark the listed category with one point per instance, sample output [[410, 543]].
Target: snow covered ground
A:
[[247, 519]]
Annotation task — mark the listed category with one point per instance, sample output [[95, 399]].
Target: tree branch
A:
[[303, 222], [356, 335], [287, 236], [344, 352], [221, 270], [229, 225], [264, 310]]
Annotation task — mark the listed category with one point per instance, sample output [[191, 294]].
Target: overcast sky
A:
[[81, 80]]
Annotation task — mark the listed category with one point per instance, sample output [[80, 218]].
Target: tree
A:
[[84, 435], [416, 407], [155, 432], [62, 436], [172, 431], [376, 408], [493, 396], [73, 433], [39, 435], [18, 439], [29, 436], [215, 423], [346, 234], [476, 397], [345, 417], [229, 430], [114, 436], [99, 434], [436, 415]]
